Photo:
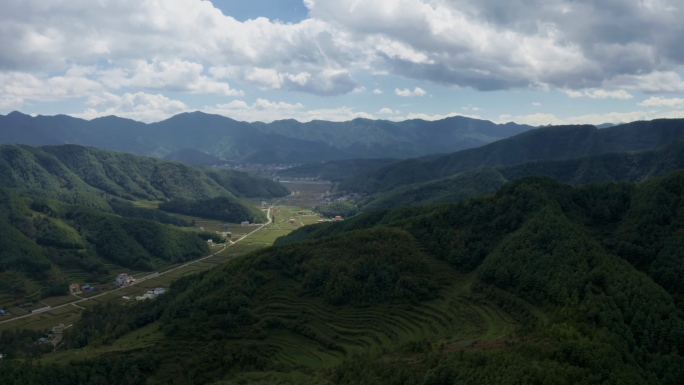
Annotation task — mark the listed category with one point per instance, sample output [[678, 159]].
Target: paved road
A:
[[143, 279]]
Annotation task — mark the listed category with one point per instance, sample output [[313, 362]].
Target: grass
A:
[[255, 241]]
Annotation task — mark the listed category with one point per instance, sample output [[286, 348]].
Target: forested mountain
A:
[[610, 167], [281, 141], [67, 212], [72, 169], [191, 156], [548, 143], [45, 243], [465, 185], [220, 208], [539, 283]]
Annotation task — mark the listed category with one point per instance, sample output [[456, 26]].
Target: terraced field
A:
[[316, 335]]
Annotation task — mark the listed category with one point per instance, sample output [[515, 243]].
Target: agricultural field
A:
[[305, 194], [265, 236]]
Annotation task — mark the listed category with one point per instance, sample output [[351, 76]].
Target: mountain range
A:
[[280, 141], [546, 143]]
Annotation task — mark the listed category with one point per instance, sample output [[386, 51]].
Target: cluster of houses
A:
[[55, 336], [151, 294], [123, 279], [75, 288]]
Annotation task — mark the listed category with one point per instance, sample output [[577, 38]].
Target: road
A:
[[143, 279]]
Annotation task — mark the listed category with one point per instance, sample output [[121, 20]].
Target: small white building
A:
[[244, 223], [58, 329]]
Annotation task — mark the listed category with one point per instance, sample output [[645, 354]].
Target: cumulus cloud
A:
[[18, 87], [600, 49], [173, 75], [377, 91], [138, 106], [656, 101], [388, 111], [407, 92], [489, 44]]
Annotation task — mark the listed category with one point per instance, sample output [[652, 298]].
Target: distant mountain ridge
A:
[[542, 144], [279, 141], [632, 167]]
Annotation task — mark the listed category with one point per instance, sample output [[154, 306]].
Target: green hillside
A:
[[610, 167], [101, 172], [44, 244], [539, 283], [548, 143], [71, 213], [221, 208], [461, 186]]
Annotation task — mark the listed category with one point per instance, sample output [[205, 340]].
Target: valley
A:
[[500, 263], [67, 309]]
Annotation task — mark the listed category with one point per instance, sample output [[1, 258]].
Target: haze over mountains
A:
[[582, 282], [547, 143], [279, 141]]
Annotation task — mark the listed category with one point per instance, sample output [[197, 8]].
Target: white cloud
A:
[[174, 75], [424, 116], [377, 91], [470, 107], [388, 111], [18, 87], [602, 94], [599, 94], [656, 101], [139, 106], [610, 117], [536, 104], [407, 93], [266, 111], [654, 82], [573, 94], [64, 49]]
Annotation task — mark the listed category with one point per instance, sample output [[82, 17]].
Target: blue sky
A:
[[537, 61]]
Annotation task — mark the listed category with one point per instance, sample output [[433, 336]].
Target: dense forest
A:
[[343, 209], [543, 144], [71, 169], [42, 238], [71, 211], [610, 167], [538, 283], [222, 208]]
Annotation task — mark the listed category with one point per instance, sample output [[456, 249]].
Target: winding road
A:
[[143, 279]]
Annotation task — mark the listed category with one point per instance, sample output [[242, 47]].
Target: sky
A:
[[536, 62]]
